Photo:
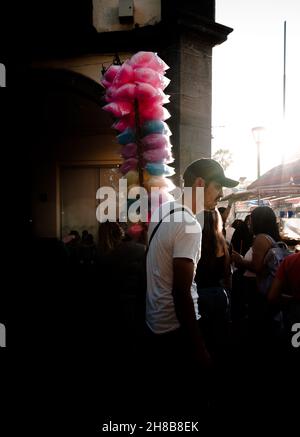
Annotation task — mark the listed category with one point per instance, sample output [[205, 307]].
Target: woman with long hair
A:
[[213, 269], [266, 232], [110, 235], [213, 279], [262, 319]]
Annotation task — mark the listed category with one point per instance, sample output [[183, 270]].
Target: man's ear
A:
[[199, 182]]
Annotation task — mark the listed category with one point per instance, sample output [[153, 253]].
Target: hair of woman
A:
[[263, 220], [212, 239], [110, 235]]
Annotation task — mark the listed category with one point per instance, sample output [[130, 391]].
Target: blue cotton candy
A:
[[155, 126], [127, 136], [159, 169]]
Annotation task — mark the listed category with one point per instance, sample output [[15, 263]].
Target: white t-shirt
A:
[[178, 238]]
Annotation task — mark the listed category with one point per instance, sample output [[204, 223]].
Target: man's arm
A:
[[227, 211], [183, 271]]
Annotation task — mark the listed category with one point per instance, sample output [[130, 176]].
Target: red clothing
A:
[[289, 274]]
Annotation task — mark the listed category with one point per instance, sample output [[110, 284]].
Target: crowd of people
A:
[[194, 308]]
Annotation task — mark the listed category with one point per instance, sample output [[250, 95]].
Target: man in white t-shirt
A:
[[171, 301]]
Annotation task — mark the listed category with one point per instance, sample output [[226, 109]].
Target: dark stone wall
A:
[[173, 8]]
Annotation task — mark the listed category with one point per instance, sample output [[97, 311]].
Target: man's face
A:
[[212, 193]]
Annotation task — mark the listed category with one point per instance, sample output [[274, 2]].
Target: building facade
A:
[[73, 147]]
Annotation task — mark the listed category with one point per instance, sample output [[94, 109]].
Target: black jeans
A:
[[174, 379]]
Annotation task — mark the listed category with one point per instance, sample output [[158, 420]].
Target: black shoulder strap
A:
[[159, 223]]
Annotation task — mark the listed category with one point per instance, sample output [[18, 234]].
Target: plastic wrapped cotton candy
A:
[[158, 155], [154, 112], [146, 175], [146, 91], [159, 169], [105, 83], [128, 136], [151, 77], [110, 94], [129, 150], [159, 182], [124, 75], [135, 97], [159, 98], [156, 141], [128, 164], [155, 127], [118, 109], [132, 178], [111, 73], [148, 60], [124, 123], [125, 92]]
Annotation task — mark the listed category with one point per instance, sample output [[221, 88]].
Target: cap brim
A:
[[228, 183]]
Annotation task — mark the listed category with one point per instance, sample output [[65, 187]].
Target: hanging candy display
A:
[[135, 97]]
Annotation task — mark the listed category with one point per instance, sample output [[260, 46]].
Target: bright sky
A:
[[248, 83]]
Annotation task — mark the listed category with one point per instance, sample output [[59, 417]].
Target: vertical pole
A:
[[283, 91], [258, 167], [138, 139], [284, 69], [258, 159]]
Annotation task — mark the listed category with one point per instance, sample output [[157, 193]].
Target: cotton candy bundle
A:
[[135, 94], [158, 155], [132, 177], [156, 141], [159, 169], [129, 150], [129, 164]]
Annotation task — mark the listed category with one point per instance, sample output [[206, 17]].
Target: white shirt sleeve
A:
[[186, 244]]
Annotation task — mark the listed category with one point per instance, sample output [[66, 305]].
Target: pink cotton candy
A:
[[148, 95], [111, 73], [151, 77], [128, 164], [118, 109], [153, 112], [146, 91], [156, 141], [124, 123], [158, 155], [150, 60], [110, 94], [125, 92], [125, 75], [129, 151], [105, 83]]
